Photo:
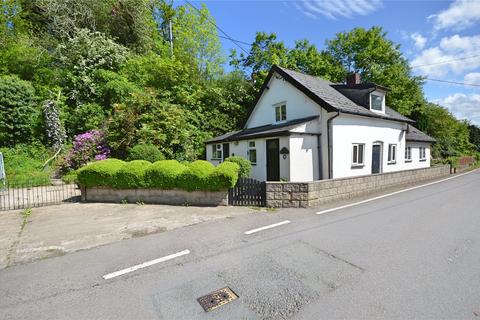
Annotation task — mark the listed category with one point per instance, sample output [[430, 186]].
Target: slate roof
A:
[[324, 90], [414, 134], [262, 131]]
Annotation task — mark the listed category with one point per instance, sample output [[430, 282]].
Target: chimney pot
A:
[[353, 79]]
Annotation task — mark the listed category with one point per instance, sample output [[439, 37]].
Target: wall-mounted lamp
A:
[[284, 152]]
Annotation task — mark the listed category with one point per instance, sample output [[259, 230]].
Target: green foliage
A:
[[224, 176], [452, 135], [196, 176], [18, 114], [164, 174], [147, 152], [81, 56], [131, 175], [453, 161], [474, 132], [24, 165], [245, 167], [84, 117], [99, 173]]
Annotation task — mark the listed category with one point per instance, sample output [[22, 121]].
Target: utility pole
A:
[[170, 36]]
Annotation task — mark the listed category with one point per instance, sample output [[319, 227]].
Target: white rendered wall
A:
[[416, 162], [348, 129], [298, 104], [304, 164]]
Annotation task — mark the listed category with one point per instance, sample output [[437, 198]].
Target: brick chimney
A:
[[353, 79]]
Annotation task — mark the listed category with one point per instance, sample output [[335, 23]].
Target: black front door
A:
[[226, 151], [376, 158], [273, 160]]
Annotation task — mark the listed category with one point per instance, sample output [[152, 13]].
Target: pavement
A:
[[57, 230], [410, 255]]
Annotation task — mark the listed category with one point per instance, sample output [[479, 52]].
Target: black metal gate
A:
[[248, 192], [22, 196]]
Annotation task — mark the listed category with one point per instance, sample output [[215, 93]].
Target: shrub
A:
[[147, 152], [100, 173], [196, 176], [453, 161], [132, 175], [87, 147], [17, 111], [164, 174], [224, 176], [477, 157], [244, 164]]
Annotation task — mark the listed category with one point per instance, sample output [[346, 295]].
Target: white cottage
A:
[[304, 128]]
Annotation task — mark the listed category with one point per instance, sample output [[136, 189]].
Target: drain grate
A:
[[217, 299]]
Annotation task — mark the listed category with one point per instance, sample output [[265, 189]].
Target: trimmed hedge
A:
[[164, 174], [100, 173], [224, 176], [147, 152], [195, 177], [245, 165], [132, 175]]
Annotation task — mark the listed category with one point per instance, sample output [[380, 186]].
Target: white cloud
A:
[[334, 9], [449, 48], [459, 15], [463, 106], [473, 78], [419, 40]]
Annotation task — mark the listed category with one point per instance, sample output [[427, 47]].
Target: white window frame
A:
[[282, 115], [422, 153], [215, 150], [252, 147], [392, 154], [408, 154], [378, 94], [356, 157]]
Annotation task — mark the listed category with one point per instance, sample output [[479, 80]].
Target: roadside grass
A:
[[24, 165]]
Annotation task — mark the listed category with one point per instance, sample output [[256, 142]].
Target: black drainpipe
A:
[[330, 155]]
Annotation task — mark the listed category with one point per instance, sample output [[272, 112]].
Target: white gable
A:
[[281, 91]]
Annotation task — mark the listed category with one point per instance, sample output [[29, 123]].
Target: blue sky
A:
[[430, 32]]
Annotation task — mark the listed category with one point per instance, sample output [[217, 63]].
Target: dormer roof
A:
[[326, 94]]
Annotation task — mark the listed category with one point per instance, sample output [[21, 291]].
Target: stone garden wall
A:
[[310, 194], [155, 196]]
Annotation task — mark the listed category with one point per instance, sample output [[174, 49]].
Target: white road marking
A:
[[268, 227], [389, 194], [145, 264]]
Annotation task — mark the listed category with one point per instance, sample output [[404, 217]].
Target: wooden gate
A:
[[248, 192]]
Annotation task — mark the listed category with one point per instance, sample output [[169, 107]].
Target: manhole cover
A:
[[217, 298]]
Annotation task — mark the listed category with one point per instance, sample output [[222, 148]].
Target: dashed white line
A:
[[145, 264], [268, 227], [389, 194]]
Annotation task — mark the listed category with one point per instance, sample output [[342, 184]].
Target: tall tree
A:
[[378, 60]]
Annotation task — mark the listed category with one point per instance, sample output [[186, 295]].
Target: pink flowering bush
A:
[[87, 147]]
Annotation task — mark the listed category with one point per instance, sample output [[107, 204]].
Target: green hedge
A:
[[164, 174], [132, 175], [245, 165], [224, 176], [196, 175], [100, 173]]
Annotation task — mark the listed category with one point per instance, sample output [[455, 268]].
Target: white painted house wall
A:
[[349, 129], [298, 104]]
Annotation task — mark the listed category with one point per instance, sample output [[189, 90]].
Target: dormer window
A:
[[376, 102], [280, 112]]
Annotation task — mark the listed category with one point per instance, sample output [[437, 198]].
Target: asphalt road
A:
[[412, 255]]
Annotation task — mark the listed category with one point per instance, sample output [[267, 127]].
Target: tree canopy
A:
[[109, 66]]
